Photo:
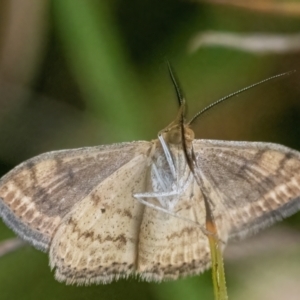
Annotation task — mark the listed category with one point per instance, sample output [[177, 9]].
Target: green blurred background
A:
[[77, 73]]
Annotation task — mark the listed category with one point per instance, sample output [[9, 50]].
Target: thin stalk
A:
[[218, 272]]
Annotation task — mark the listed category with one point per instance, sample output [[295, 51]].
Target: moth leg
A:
[[177, 188], [159, 208], [155, 194], [162, 193], [160, 196], [167, 154]]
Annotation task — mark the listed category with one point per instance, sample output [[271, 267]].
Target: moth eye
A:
[[189, 134], [174, 136]]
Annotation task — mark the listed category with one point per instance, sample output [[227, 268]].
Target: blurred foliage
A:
[[82, 73]]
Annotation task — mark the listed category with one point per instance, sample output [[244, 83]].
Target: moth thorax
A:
[[174, 135]]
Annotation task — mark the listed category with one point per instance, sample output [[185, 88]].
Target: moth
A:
[[138, 208]]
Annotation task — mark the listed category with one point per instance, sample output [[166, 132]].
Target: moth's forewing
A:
[[257, 184], [36, 195], [98, 239]]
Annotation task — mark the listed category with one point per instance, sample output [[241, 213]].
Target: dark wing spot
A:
[[10, 196]]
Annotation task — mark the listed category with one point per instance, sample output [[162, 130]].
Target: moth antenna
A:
[[188, 156], [237, 93], [176, 85], [182, 104]]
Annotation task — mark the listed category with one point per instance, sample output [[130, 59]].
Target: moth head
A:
[[173, 135]]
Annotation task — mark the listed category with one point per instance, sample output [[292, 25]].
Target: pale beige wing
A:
[[252, 185], [97, 241], [174, 246], [37, 194]]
